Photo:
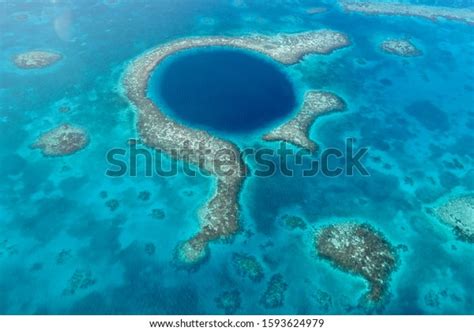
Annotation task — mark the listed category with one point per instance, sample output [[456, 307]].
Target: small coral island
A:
[[296, 130], [400, 47], [359, 249], [458, 213], [220, 216], [36, 59], [63, 140]]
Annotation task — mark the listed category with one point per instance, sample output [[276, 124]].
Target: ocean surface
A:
[[75, 241]]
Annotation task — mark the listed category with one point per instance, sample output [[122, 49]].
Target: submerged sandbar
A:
[[219, 218]]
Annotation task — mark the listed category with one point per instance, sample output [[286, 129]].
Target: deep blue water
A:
[[224, 90], [415, 115]]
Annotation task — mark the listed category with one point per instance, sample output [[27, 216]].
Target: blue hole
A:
[[225, 90]]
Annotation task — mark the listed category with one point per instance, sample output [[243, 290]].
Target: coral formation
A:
[[296, 130], [63, 140], [63, 256], [430, 12], [144, 195], [274, 295], [229, 301], [400, 47], [438, 299], [158, 214], [294, 222], [36, 59], [112, 204], [247, 266], [458, 213], [220, 215], [324, 300], [150, 248], [359, 249], [192, 252], [81, 279]]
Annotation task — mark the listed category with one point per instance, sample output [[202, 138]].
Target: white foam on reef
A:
[[220, 216]]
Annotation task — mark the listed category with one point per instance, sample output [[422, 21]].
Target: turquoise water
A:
[[64, 250], [224, 90]]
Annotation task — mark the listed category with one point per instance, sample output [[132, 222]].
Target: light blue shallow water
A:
[[414, 114]]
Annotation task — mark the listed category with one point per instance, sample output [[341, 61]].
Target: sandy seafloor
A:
[[48, 205]]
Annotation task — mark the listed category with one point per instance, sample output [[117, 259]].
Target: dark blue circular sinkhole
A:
[[223, 89]]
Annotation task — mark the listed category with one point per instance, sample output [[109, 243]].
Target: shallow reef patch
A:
[[80, 280], [36, 59], [361, 250], [247, 266], [62, 140], [158, 214], [429, 115], [324, 300], [274, 295], [465, 15], [400, 47], [294, 222], [458, 213], [229, 301]]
